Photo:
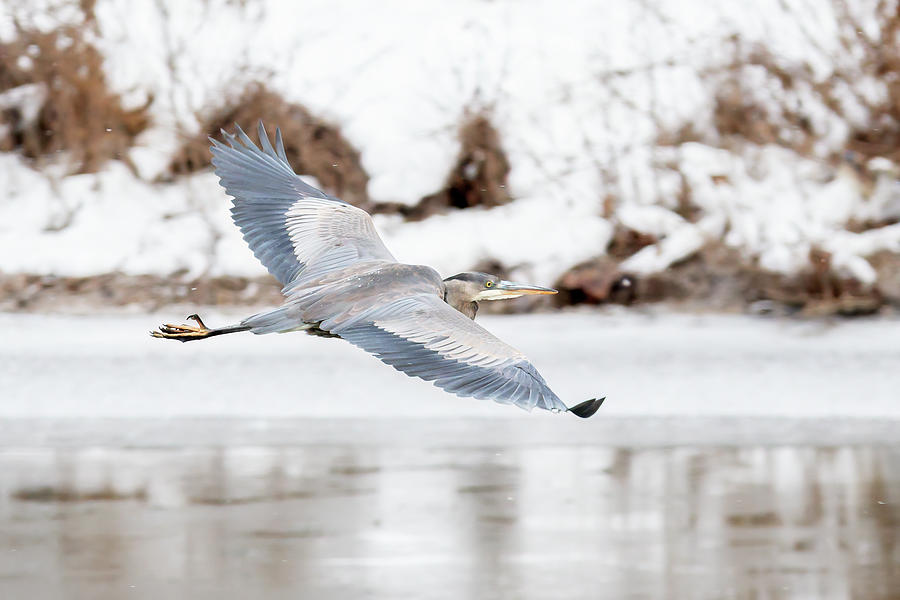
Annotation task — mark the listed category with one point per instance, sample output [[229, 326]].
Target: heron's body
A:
[[341, 281], [344, 293]]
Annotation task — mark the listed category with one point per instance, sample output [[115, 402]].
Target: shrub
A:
[[478, 177], [313, 146], [78, 113]]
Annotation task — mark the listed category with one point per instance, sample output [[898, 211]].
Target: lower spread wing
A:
[[424, 337], [295, 230]]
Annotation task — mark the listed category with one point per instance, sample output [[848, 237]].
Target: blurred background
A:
[[713, 188]]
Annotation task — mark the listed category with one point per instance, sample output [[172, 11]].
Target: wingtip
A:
[[241, 138], [228, 137], [279, 146], [587, 408]]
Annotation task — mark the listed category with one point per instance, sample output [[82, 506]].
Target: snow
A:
[[579, 91], [28, 98]]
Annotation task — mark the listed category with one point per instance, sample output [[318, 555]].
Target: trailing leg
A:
[[187, 333]]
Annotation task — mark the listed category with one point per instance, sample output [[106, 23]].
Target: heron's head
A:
[[473, 287]]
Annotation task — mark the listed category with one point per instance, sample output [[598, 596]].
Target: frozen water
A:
[[646, 365], [735, 457], [438, 520]]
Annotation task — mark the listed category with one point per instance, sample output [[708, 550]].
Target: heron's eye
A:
[[488, 284]]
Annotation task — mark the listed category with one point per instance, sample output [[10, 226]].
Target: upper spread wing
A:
[[424, 337], [295, 230]]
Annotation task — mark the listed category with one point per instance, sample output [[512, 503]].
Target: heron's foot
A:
[[183, 333]]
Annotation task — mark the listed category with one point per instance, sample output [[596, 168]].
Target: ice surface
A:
[[646, 365], [729, 447], [443, 522]]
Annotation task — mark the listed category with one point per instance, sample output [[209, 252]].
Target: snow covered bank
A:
[[582, 94]]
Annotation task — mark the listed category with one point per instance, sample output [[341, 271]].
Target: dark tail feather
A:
[[587, 408]]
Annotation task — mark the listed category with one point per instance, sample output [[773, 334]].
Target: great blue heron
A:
[[341, 281]]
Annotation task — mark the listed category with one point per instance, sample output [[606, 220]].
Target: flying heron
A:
[[341, 281]]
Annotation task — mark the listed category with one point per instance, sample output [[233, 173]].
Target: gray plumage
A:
[[339, 280], [290, 226]]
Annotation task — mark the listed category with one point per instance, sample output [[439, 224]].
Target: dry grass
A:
[[313, 146], [760, 98], [880, 61], [38, 293], [719, 278], [597, 281], [80, 115], [763, 99], [317, 148], [767, 114], [625, 242], [479, 175]]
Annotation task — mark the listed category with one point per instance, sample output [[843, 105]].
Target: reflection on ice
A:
[[345, 521]]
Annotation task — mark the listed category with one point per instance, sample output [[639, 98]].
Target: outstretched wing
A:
[[293, 229], [423, 336]]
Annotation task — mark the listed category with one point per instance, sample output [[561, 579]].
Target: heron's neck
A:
[[468, 308], [460, 302]]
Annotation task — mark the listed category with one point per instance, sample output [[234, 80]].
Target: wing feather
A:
[[424, 337], [295, 230]]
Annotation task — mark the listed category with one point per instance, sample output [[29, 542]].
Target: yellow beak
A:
[[504, 290]]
